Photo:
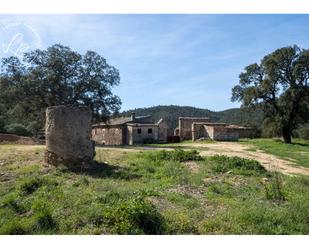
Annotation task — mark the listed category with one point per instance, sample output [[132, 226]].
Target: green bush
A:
[[17, 129], [274, 189], [303, 180], [178, 155], [134, 216], [179, 223], [221, 188], [223, 164], [2, 124], [303, 132], [33, 127], [270, 128]]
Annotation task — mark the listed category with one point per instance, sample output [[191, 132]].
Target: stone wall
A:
[[109, 135], [221, 133], [185, 126], [199, 130], [134, 137], [162, 131], [246, 133], [68, 133], [214, 131]]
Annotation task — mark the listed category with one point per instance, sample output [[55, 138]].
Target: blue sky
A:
[[189, 60]]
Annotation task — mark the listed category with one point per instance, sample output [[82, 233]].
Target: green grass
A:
[[177, 155], [236, 165], [148, 192], [297, 152]]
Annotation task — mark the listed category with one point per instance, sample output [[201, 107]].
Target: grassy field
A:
[[148, 192], [297, 152]]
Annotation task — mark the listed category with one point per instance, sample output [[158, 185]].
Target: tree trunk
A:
[[286, 133]]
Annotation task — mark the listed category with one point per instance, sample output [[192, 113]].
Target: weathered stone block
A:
[[185, 126], [68, 133]]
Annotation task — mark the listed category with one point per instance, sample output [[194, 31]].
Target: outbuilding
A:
[[129, 131]]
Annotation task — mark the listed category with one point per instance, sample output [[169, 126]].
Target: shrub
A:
[[303, 132], [274, 189], [2, 124], [33, 127], [84, 181], [179, 223], [270, 128], [111, 197], [222, 164], [303, 180], [17, 129], [134, 216], [174, 155], [221, 188]]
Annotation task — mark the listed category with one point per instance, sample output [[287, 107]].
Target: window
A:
[[139, 131], [149, 131]]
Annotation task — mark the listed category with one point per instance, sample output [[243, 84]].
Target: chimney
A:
[[133, 116]]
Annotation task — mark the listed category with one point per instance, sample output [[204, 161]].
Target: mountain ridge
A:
[[171, 113]]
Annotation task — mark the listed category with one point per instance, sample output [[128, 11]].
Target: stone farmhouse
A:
[[195, 128], [139, 130], [129, 131]]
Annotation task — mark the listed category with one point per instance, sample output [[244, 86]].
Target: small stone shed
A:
[[195, 128], [184, 129], [214, 131], [129, 131]]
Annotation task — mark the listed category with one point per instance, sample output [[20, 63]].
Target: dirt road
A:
[[270, 162]]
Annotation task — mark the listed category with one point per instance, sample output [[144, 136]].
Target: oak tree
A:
[[279, 85], [56, 76]]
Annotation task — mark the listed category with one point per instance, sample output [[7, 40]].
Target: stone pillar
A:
[[68, 133], [193, 129], [162, 130]]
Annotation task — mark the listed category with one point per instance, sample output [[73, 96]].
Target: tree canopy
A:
[[278, 85], [56, 76]]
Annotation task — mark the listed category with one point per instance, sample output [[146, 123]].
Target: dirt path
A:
[[270, 162]]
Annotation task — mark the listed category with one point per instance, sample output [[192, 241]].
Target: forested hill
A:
[[171, 113]]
